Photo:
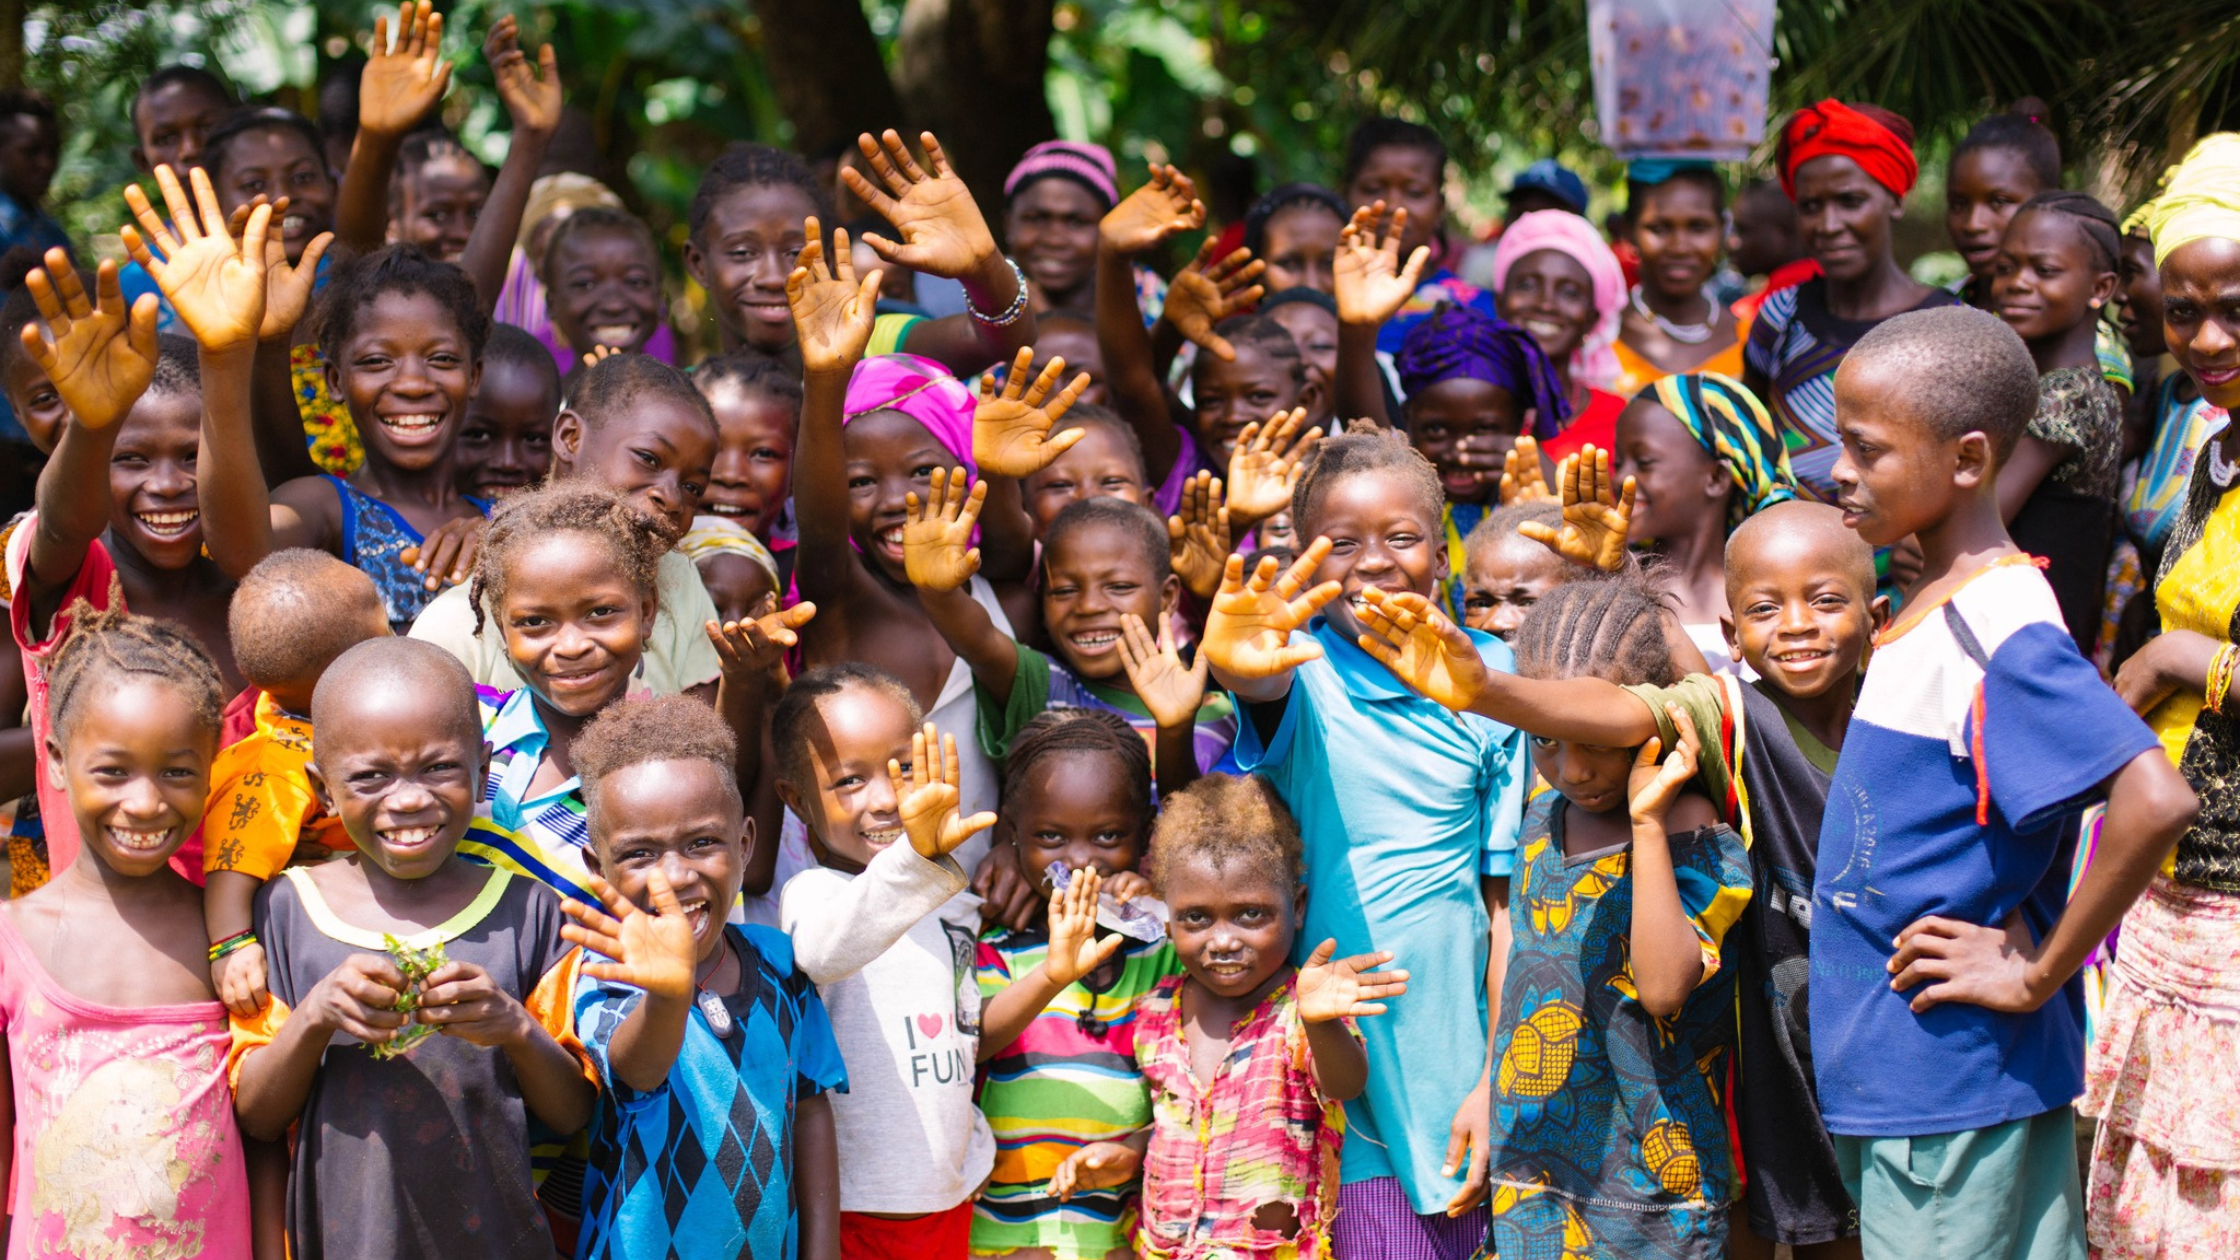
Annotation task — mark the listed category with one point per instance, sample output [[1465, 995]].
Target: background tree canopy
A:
[[1244, 93]]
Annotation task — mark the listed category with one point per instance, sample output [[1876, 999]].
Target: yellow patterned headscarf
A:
[[714, 536], [1733, 427], [2202, 198]]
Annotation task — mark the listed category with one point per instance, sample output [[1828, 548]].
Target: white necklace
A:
[[2221, 470], [1685, 334]]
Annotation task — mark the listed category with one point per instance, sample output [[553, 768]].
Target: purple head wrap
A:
[[1461, 341]]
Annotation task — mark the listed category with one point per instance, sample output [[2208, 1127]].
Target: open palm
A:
[[1595, 520], [1248, 631], [832, 310], [1198, 538], [1265, 465], [1210, 290], [1342, 988], [1011, 429], [654, 952], [99, 355], [1169, 689], [216, 284], [1371, 283], [532, 99], [937, 550], [1422, 648], [1075, 950], [1164, 207], [943, 233], [401, 83], [927, 796]]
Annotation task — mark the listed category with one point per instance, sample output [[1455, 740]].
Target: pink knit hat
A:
[[1089, 165]]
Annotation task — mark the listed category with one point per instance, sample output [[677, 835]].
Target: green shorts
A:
[[2009, 1192]]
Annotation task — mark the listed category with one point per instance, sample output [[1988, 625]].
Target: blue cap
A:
[[1553, 178]]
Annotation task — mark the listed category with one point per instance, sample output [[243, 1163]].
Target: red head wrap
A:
[[1832, 127]]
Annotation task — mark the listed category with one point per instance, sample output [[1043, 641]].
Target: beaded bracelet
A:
[[1012, 312], [2220, 678], [237, 941]]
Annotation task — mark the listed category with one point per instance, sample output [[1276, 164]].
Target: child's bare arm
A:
[[1100, 1166], [1332, 990], [1997, 966], [816, 1178], [748, 651], [938, 556], [357, 999], [228, 898], [461, 1000], [654, 953], [833, 313], [399, 87], [1372, 285], [1160, 209], [532, 102], [1666, 953], [1074, 952]]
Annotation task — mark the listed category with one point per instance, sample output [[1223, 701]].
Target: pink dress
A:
[[125, 1144]]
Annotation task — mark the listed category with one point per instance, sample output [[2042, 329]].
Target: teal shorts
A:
[[2009, 1192]]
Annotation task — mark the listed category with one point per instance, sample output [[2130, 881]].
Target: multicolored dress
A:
[[1609, 1129], [2069, 517], [374, 536]]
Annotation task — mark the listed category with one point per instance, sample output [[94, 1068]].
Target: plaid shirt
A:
[[1261, 1133]]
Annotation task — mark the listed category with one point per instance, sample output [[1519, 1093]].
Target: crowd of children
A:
[[1299, 757]]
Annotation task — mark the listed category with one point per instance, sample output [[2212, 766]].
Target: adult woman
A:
[[1672, 322], [2179, 419], [1848, 169], [1558, 281], [1052, 202], [2163, 1168]]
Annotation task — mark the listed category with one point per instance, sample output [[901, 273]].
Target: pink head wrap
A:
[[1594, 364], [920, 389], [1089, 165]]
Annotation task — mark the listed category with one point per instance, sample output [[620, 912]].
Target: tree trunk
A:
[[971, 72], [824, 67], [11, 43]]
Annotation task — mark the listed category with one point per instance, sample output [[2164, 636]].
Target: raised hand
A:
[[1422, 648], [1371, 283], [1075, 950], [943, 233], [1171, 690], [1248, 631], [1011, 430], [654, 952], [1209, 291], [1097, 1166], [927, 797], [216, 284], [403, 82], [99, 356], [753, 647], [832, 309], [1653, 785], [1264, 468], [287, 289], [530, 90], [1338, 988], [1167, 206], [1521, 478], [1595, 521], [447, 553], [1198, 539], [937, 550]]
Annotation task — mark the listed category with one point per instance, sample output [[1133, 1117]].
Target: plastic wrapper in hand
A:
[[1681, 78], [1141, 919]]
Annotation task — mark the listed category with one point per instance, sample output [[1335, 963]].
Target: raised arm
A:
[[1666, 953], [1014, 436], [1206, 292], [653, 953], [401, 84], [833, 313], [1372, 286], [1165, 206], [938, 555], [1332, 990], [531, 92], [1074, 952]]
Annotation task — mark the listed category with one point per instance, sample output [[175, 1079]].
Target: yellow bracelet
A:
[[2220, 678]]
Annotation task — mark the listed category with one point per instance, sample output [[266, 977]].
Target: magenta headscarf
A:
[[1594, 364], [921, 389]]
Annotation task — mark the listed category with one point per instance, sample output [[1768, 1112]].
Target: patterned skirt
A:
[[2160, 1076]]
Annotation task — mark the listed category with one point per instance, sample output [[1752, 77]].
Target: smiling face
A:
[[889, 456], [1549, 295], [406, 374], [680, 818], [1232, 927], [1982, 193], [1445, 416], [274, 162], [1076, 809], [153, 508], [33, 398], [137, 771], [575, 626], [655, 450], [1241, 391], [402, 767], [1100, 464], [440, 201], [2138, 299], [742, 255], [603, 288], [753, 470], [1316, 331], [1503, 580], [1679, 231], [2048, 277], [1382, 534], [2201, 315], [1844, 217], [505, 443], [736, 585], [849, 805], [1077, 344], [1403, 176], [1097, 575], [1895, 476], [171, 122], [1590, 776], [1051, 226], [1302, 248], [1805, 610], [1676, 482]]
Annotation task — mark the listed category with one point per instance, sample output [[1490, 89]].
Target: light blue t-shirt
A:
[[1402, 805]]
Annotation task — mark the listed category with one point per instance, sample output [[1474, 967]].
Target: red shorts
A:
[[934, 1236]]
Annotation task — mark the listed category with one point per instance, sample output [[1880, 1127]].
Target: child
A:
[[173, 113], [709, 1042], [2005, 159], [2055, 269], [1057, 1036], [1803, 592], [1408, 813], [878, 926], [1294, 227], [1311, 317], [1505, 573], [739, 572], [1960, 871], [637, 427], [292, 616], [121, 1134], [1248, 1058], [757, 406], [1618, 1145], [32, 399], [436, 194], [1106, 462], [602, 280], [1106, 579], [1072, 336], [1404, 165], [505, 442], [423, 1152]]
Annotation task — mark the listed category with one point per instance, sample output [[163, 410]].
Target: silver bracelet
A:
[[1012, 312]]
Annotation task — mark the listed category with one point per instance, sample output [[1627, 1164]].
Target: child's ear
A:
[[1719, 482], [1972, 462], [319, 786], [1170, 599], [1878, 613], [790, 797], [2103, 290], [333, 373], [56, 778], [746, 840], [567, 442], [1299, 904], [694, 265], [591, 860], [1442, 563], [1732, 636]]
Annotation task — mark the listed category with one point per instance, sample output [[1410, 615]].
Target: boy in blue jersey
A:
[[1947, 1023]]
